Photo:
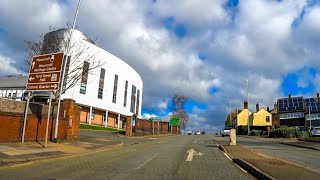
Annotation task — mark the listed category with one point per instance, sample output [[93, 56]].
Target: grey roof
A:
[[13, 82]]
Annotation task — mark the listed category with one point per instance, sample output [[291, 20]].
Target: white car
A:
[[315, 131], [198, 133], [225, 132]]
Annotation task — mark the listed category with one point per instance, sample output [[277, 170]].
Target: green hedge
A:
[[288, 132], [255, 132]]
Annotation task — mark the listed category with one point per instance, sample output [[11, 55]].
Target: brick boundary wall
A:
[[12, 122], [144, 125]]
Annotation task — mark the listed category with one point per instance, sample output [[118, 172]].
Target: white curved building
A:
[[108, 93]]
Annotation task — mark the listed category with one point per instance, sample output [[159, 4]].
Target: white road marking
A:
[[191, 153], [217, 145], [195, 141], [147, 161], [264, 155], [227, 156], [240, 168]]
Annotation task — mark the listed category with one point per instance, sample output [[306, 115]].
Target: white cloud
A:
[[260, 44], [8, 66], [148, 116]]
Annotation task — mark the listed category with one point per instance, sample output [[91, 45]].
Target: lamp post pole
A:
[[63, 72], [230, 112], [309, 118], [248, 105]]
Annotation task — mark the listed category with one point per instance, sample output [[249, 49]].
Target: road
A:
[[307, 158], [163, 158]]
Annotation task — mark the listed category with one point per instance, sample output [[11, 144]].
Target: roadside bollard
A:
[[233, 138]]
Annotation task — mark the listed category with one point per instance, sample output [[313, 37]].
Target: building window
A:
[[138, 102], [116, 119], [84, 78], [115, 86], [133, 99], [267, 119], [101, 83], [125, 94]]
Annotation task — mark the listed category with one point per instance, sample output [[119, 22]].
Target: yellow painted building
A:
[[242, 118], [261, 118]]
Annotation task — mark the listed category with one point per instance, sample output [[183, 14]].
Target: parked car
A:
[[189, 132], [225, 131], [315, 131], [203, 132], [197, 133]]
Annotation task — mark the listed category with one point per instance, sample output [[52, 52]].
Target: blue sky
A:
[[205, 50]]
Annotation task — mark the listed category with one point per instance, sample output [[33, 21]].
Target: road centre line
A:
[[147, 161], [227, 156]]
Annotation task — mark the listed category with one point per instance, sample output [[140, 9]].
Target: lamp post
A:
[[230, 113], [248, 106], [64, 70], [309, 118]]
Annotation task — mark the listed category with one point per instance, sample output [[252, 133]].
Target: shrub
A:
[[255, 133], [242, 130], [288, 132]]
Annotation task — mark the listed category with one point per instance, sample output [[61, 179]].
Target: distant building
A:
[[294, 111], [107, 94], [240, 121], [275, 116], [261, 119]]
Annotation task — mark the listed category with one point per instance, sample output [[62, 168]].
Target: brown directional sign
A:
[[44, 74]]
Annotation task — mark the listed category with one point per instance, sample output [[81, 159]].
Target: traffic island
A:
[[266, 167]]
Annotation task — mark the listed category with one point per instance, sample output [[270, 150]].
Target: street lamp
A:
[[230, 113], [309, 117], [248, 106]]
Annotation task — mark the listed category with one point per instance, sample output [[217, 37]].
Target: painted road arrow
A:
[[191, 153]]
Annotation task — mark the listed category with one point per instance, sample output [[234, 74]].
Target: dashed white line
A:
[[147, 161]]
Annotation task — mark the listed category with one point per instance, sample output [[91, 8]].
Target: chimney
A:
[[268, 108], [289, 95], [317, 95], [257, 107], [275, 106], [245, 104]]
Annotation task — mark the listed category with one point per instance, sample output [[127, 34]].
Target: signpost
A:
[[44, 75]]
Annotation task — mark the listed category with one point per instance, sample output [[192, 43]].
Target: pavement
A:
[[266, 158], [89, 140]]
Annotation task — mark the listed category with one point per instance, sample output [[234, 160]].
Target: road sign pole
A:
[[25, 118], [48, 119]]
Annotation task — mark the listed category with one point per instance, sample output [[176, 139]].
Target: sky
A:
[[205, 50]]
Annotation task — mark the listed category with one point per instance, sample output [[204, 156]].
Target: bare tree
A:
[[178, 109], [58, 41]]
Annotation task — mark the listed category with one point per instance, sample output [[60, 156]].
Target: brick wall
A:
[[148, 126], [12, 122]]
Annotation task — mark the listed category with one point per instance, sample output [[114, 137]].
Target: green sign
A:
[[174, 121]]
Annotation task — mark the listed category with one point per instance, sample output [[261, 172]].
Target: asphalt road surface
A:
[[307, 158], [163, 158]]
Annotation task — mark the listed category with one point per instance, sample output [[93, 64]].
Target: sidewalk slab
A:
[[274, 167]]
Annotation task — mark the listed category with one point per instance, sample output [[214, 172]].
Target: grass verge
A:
[[93, 127]]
